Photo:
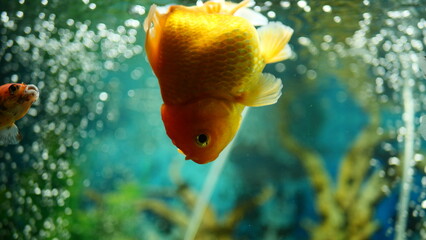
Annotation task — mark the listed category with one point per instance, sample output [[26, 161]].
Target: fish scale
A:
[[226, 57]]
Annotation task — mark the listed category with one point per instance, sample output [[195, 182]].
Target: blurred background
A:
[[338, 157]]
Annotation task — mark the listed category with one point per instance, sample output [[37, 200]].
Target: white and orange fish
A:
[[209, 61], [15, 101]]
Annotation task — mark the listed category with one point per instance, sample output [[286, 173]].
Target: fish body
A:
[[209, 64], [15, 101], [214, 61]]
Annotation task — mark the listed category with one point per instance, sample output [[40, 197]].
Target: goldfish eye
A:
[[13, 88], [202, 140]]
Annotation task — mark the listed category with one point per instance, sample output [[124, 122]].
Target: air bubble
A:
[[103, 96], [326, 8]]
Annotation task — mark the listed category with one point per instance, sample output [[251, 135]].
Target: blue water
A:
[[96, 163]]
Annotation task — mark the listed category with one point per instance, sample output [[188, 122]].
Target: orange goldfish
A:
[[15, 101], [209, 64]]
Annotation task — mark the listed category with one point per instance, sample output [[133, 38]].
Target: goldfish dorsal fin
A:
[[273, 40], [266, 91], [10, 135], [150, 18], [155, 18], [154, 22]]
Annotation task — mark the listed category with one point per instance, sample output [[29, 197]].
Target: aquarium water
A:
[[340, 156]]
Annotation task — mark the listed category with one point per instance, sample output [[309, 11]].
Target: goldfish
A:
[[15, 101], [209, 62]]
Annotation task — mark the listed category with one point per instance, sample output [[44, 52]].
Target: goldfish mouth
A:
[[191, 158], [32, 91]]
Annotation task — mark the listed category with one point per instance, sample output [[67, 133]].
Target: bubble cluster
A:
[[389, 47], [372, 49], [65, 57]]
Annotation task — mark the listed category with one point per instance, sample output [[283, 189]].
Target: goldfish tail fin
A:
[[273, 40], [266, 91], [238, 6], [10, 135], [222, 6], [255, 18]]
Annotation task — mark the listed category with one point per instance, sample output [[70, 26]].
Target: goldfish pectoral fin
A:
[[273, 40], [10, 135], [266, 91], [180, 151]]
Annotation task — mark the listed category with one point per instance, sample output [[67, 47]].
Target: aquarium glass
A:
[[340, 156]]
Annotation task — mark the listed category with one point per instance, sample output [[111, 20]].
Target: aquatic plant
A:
[[210, 226], [113, 215], [347, 209], [60, 54]]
